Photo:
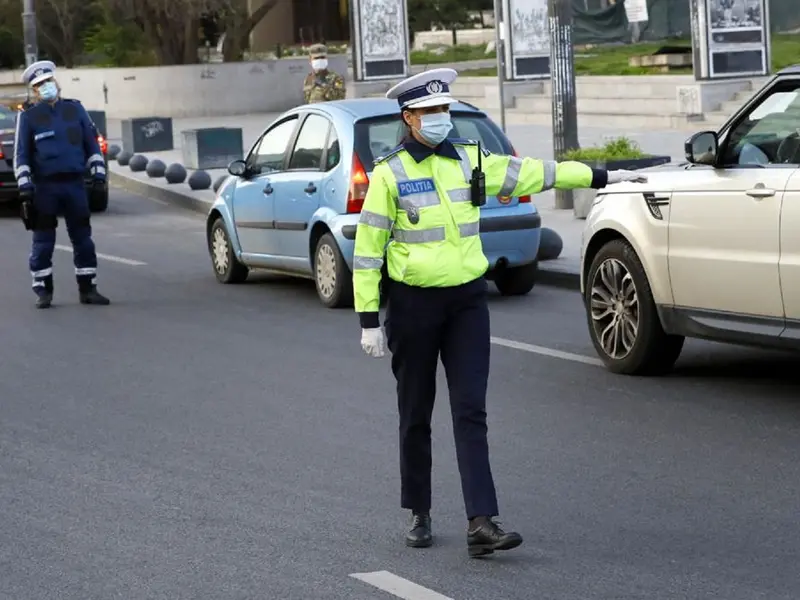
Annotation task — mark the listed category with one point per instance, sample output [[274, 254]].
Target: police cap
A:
[[429, 88], [38, 72]]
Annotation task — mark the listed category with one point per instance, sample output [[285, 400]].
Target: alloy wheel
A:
[[614, 308]]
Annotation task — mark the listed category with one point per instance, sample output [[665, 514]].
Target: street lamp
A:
[[29, 32], [564, 97]]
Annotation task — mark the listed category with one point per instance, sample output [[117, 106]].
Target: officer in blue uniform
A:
[[55, 144]]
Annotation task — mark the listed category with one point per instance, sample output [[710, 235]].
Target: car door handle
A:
[[310, 189], [760, 192], [268, 189]]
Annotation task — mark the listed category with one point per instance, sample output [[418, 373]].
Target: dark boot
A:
[[420, 535], [88, 291], [484, 537], [43, 288]]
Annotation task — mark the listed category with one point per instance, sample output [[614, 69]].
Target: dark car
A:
[[9, 109]]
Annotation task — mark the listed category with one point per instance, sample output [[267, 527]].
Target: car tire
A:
[[98, 205], [332, 277], [516, 281], [617, 293], [227, 267]]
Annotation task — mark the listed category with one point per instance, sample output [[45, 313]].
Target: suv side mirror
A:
[[702, 148], [237, 168]]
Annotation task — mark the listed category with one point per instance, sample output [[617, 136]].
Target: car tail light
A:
[[103, 144], [359, 183], [522, 199], [2, 155]]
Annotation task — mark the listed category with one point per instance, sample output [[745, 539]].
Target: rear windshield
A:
[[378, 136]]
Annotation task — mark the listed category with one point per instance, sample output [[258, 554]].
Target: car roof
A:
[[793, 70], [362, 108]]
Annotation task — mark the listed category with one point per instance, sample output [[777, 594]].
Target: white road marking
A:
[[552, 352], [397, 586], [109, 257]]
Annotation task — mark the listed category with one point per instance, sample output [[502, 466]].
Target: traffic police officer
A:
[[426, 193], [55, 144], [321, 84]]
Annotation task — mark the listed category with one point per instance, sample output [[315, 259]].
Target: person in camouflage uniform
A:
[[321, 84]]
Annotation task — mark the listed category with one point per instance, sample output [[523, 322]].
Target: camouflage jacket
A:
[[323, 87]]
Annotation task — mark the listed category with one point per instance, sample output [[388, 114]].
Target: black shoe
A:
[[44, 300], [92, 296], [484, 537], [420, 536]]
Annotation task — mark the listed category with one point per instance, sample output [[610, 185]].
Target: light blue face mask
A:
[[48, 91], [435, 127]]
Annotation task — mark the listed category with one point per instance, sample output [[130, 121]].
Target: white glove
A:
[[622, 175], [373, 342]]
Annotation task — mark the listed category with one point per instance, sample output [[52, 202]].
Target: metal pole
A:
[[29, 32], [562, 78], [499, 36]]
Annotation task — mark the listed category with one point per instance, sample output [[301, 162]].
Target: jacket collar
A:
[[420, 152]]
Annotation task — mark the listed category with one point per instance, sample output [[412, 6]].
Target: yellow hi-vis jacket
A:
[[426, 208]]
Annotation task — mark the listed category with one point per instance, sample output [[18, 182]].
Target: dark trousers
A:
[[62, 197], [422, 324]]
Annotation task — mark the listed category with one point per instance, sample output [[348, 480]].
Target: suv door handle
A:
[[268, 189], [760, 192], [310, 189]]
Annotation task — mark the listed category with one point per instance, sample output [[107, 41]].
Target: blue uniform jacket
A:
[[56, 139]]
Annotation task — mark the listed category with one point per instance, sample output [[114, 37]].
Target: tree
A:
[[171, 27], [60, 24], [239, 24]]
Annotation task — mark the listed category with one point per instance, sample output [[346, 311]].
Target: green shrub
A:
[[620, 148]]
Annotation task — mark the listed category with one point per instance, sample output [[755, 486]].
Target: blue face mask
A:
[[435, 127], [48, 91]]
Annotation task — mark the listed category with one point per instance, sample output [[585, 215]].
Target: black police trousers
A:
[[422, 324]]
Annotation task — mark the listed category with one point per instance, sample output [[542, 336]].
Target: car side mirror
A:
[[238, 168], [702, 148]]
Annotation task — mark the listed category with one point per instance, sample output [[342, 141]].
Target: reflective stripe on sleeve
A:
[[94, 158], [469, 229], [98, 170], [365, 262], [24, 180], [375, 220], [42, 273], [22, 170], [461, 195], [549, 167], [512, 176], [419, 236], [466, 169]]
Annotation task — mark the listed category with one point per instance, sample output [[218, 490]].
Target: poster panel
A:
[[380, 39], [737, 38], [527, 46]]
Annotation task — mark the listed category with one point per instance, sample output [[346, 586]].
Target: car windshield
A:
[[379, 135], [8, 118]]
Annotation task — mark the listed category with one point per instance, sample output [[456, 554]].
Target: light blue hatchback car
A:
[[292, 205]]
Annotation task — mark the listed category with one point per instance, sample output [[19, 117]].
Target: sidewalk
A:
[[528, 140]]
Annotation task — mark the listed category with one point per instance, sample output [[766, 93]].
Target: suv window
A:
[[270, 152], [378, 136], [770, 134], [310, 144]]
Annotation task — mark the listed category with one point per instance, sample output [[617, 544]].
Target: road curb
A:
[[558, 278], [172, 197]]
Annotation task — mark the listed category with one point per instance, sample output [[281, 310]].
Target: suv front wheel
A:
[[623, 321]]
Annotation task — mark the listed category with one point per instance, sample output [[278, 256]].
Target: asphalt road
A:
[[200, 441]]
